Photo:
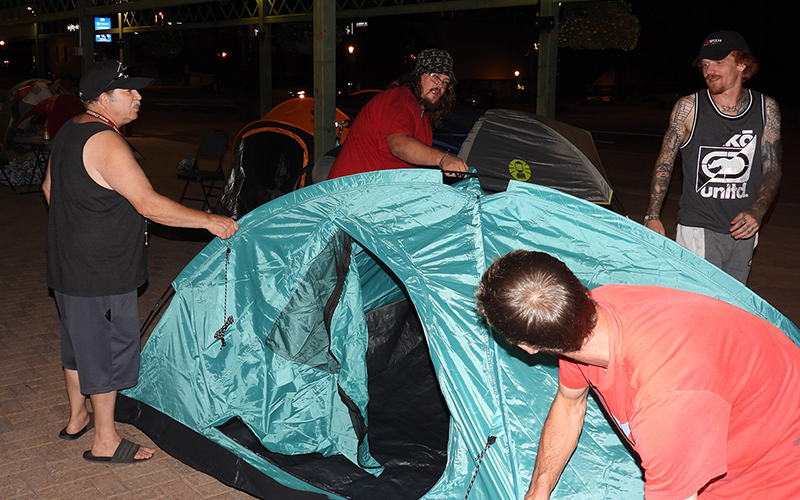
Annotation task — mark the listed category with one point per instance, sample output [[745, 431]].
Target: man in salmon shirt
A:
[[394, 128], [704, 392]]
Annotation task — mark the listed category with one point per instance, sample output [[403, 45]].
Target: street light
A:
[[351, 61]]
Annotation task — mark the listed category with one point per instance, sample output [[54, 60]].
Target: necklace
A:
[[103, 118]]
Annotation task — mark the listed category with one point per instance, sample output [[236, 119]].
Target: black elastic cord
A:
[[479, 458], [220, 334]]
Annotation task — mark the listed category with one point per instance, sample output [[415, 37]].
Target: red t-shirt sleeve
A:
[[681, 437], [569, 375]]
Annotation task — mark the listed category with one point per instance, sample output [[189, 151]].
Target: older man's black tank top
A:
[[95, 238], [721, 163]]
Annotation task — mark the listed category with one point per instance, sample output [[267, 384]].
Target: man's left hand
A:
[[744, 226]]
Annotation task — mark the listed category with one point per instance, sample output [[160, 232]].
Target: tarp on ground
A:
[[272, 332]]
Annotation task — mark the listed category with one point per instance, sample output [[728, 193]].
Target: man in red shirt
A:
[[706, 393], [394, 128]]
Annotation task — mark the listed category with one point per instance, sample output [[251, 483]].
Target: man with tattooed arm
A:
[[730, 143]]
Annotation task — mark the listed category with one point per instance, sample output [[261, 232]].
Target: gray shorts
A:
[[100, 339], [727, 253]]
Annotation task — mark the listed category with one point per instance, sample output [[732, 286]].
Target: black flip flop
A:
[[123, 455], [71, 437]]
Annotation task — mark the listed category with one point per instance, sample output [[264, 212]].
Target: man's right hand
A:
[[221, 226], [656, 226], [452, 164]]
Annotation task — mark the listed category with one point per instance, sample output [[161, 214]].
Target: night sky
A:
[[670, 38]]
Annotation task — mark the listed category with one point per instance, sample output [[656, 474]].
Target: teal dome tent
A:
[[331, 349]]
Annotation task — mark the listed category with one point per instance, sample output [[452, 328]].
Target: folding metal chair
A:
[[213, 147]]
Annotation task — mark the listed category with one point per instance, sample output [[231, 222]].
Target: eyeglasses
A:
[[439, 81], [120, 74]]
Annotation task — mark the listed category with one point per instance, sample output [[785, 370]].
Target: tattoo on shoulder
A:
[[683, 108], [772, 128]]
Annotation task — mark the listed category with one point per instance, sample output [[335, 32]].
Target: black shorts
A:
[[100, 339]]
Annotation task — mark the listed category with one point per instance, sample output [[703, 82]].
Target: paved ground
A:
[[35, 464]]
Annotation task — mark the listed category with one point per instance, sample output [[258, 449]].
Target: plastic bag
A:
[[187, 165]]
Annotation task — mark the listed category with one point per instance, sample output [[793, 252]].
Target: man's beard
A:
[[715, 86], [430, 107]]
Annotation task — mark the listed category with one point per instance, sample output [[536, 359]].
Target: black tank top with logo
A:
[[721, 163], [95, 238]]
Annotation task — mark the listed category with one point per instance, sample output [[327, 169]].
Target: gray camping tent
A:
[[504, 145]]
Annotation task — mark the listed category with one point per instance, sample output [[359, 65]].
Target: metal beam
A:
[[264, 62], [548, 61], [86, 35], [324, 77]]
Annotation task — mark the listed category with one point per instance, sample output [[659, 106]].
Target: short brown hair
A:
[[749, 60], [532, 298]]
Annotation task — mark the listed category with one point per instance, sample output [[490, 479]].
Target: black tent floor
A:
[[408, 435]]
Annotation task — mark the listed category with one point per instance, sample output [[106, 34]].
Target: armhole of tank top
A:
[[694, 121], [104, 129]]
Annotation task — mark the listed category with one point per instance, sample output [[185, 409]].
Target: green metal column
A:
[[324, 76], [264, 61], [548, 61], [41, 52], [124, 50], [86, 33]]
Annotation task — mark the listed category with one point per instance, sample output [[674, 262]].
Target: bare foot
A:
[[76, 425], [107, 449]]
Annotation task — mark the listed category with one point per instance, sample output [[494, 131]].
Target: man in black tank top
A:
[[730, 143], [99, 199]]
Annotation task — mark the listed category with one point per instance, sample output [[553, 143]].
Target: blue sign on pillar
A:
[[102, 23]]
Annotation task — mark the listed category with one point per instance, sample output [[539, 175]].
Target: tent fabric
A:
[[273, 156], [299, 112], [505, 145], [284, 367], [268, 159], [53, 112]]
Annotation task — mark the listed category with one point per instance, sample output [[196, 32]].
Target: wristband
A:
[[441, 160], [648, 218]]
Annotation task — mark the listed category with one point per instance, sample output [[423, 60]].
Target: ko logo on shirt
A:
[[723, 171]]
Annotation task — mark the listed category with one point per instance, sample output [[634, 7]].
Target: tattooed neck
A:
[[739, 106]]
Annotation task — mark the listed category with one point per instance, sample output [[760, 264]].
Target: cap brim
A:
[[712, 53], [131, 83]]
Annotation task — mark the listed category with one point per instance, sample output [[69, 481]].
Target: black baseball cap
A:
[[719, 44], [108, 75]]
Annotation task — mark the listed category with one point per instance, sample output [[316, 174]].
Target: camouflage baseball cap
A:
[[436, 61]]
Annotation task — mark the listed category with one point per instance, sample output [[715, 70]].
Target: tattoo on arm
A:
[[674, 137], [770, 162]]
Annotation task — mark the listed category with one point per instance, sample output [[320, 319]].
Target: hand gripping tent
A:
[[331, 348]]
